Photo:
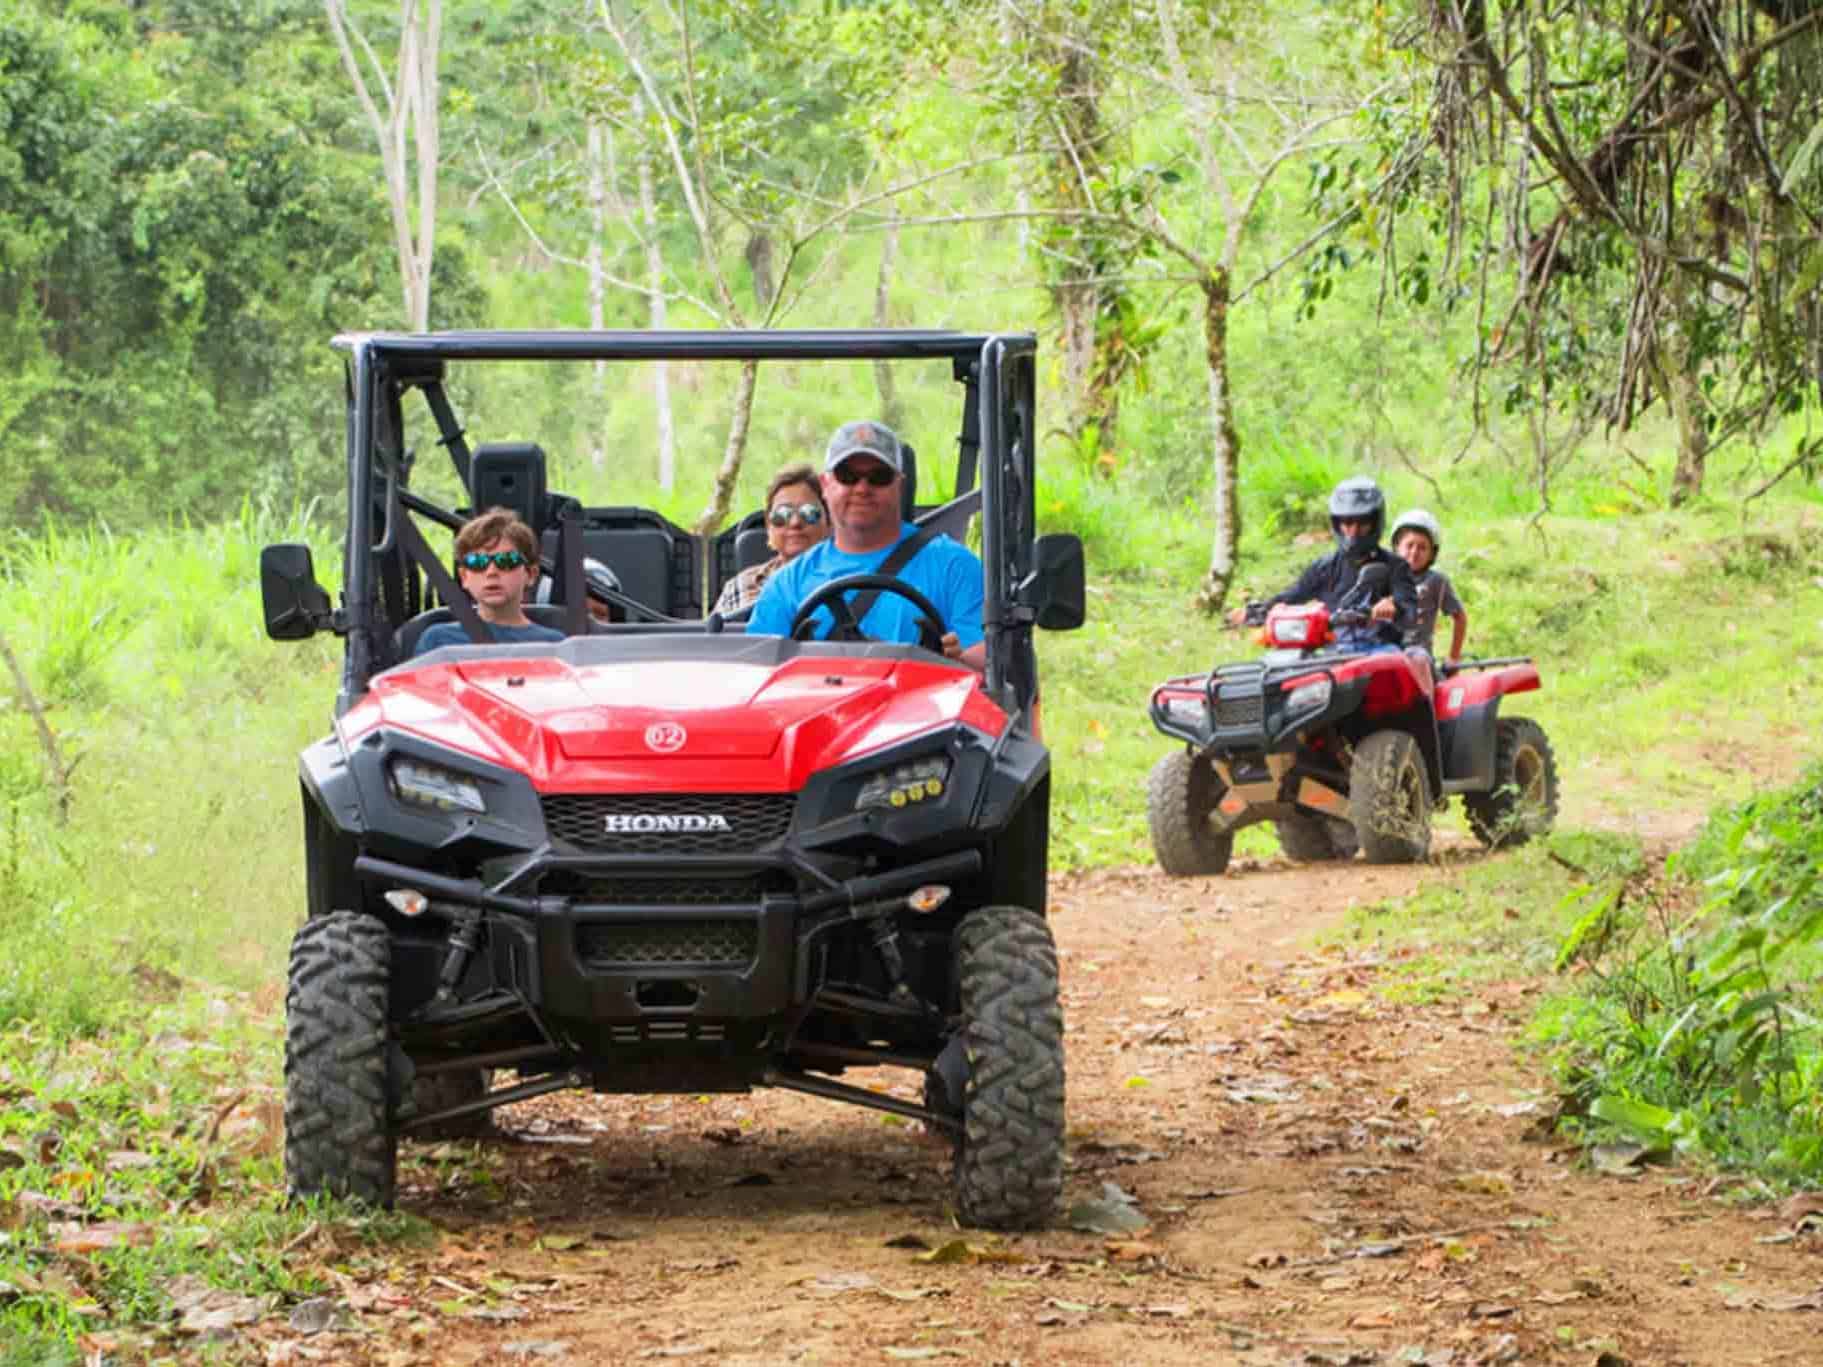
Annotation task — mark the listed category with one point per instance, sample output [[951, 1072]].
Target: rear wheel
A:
[[1311, 838], [1523, 800], [338, 1092], [1390, 798], [1181, 797], [1009, 1159]]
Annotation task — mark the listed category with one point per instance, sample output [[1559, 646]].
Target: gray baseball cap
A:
[[864, 438]]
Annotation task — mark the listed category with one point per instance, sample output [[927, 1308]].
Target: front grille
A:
[[663, 891], [663, 820], [1242, 711], [717, 942]]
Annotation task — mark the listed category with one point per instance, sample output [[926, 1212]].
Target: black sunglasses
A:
[[808, 513], [500, 560], [877, 475]]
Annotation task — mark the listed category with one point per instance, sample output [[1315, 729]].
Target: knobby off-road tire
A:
[[1390, 796], [433, 1092], [1311, 838], [338, 1135], [1181, 796], [1523, 800], [1009, 1159]]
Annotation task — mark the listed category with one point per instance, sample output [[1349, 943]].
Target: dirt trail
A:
[[1328, 1179]]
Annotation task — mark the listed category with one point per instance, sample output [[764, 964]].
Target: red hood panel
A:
[[730, 726]]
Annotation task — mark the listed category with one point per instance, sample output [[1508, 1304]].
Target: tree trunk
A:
[[759, 261], [1225, 444], [892, 411], [736, 449], [1684, 392], [598, 223], [655, 303]]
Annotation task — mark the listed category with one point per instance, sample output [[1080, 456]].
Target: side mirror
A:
[[1054, 592], [1374, 578], [296, 606]]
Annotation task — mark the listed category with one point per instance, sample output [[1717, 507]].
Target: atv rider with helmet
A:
[[1417, 539], [1357, 516]]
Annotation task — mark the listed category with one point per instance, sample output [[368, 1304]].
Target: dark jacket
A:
[[1331, 579]]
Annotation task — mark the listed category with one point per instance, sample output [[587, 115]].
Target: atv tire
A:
[[1181, 796], [338, 1089], [1391, 799], [1523, 800], [1308, 839], [1009, 1158], [433, 1092]]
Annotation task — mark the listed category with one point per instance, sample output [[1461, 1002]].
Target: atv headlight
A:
[[1185, 709], [1291, 631], [1308, 697], [429, 785], [904, 784]]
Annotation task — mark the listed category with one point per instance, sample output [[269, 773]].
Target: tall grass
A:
[[182, 724]]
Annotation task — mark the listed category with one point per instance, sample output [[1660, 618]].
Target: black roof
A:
[[757, 345]]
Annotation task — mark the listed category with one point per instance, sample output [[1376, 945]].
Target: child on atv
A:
[[1357, 516], [1417, 538]]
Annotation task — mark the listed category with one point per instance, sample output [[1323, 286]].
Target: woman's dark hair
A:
[[795, 474]]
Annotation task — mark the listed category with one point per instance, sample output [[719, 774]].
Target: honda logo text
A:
[[641, 823]]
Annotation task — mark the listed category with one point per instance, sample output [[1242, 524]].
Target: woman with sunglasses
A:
[[496, 563], [796, 519]]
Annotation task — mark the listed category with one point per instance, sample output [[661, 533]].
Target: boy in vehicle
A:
[[1357, 516], [496, 563], [1417, 538]]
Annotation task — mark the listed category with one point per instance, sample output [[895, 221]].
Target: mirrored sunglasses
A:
[[808, 513], [500, 560], [877, 475]]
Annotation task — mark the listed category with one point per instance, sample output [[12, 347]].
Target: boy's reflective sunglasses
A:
[[500, 560], [877, 475], [808, 513]]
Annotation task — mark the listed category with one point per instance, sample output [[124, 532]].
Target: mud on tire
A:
[[1181, 796], [1009, 1159], [338, 1136], [1312, 838], [1391, 799], [1523, 800]]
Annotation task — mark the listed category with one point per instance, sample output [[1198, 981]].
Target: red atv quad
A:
[[1341, 749], [661, 855]]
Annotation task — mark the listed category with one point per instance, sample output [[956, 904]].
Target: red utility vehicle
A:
[[661, 855], [1343, 749]]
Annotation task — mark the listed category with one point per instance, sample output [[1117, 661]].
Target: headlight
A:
[[1291, 631], [906, 783], [1308, 697], [1186, 710], [427, 785]]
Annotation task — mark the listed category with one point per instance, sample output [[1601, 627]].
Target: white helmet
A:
[[597, 574], [1420, 520]]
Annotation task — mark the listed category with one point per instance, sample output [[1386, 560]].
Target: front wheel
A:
[[1390, 799], [1309, 839], [1181, 797], [339, 1139], [1009, 1158], [1523, 800]]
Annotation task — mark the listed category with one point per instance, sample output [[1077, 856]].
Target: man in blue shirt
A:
[[863, 467]]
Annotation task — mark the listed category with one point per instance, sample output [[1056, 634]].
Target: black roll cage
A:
[[996, 440]]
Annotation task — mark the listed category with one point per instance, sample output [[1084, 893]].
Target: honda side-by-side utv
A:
[[1343, 749], [661, 855]]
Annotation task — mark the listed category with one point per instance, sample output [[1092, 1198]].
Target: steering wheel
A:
[[847, 628]]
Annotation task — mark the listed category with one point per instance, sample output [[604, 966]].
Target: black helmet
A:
[[1358, 499]]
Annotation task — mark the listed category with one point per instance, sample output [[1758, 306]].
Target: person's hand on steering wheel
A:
[[833, 596]]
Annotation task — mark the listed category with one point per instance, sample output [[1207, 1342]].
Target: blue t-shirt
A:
[[452, 634], [944, 571]]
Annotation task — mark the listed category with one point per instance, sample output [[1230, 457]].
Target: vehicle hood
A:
[[683, 725]]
